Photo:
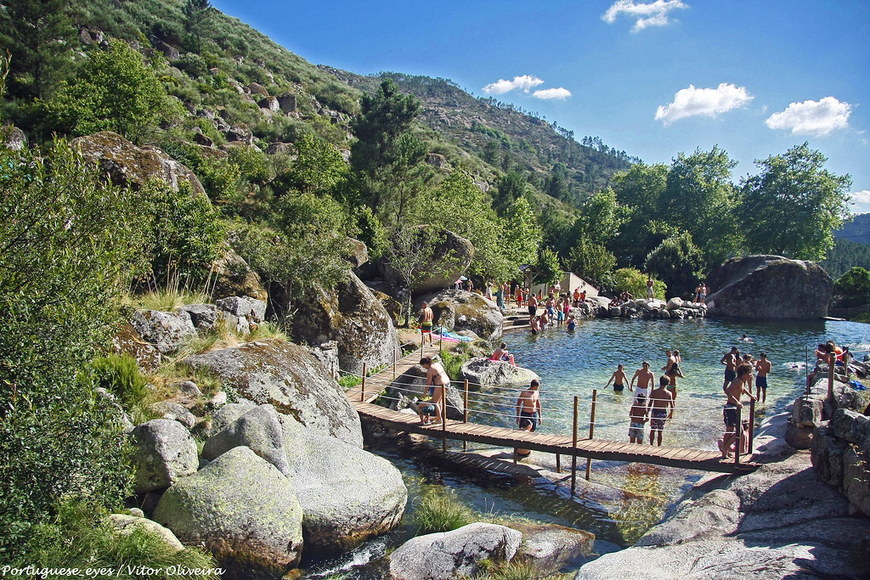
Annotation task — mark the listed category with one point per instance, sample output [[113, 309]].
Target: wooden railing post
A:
[[465, 413], [751, 426], [444, 419], [395, 362], [574, 450], [739, 436], [591, 431], [362, 392], [440, 341]]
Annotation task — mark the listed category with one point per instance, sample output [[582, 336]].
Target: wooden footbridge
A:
[[363, 395]]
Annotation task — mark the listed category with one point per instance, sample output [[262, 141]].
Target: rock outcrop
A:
[[841, 456], [448, 261], [454, 554], [167, 331], [777, 522], [165, 452], [495, 373], [757, 287], [288, 377], [234, 277], [258, 429], [348, 495], [241, 509], [458, 310], [355, 319], [129, 165]]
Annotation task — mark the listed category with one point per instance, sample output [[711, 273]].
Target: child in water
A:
[[572, 323]]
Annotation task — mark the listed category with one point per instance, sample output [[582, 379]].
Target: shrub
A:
[[119, 375], [79, 537], [853, 287], [440, 511], [633, 281]]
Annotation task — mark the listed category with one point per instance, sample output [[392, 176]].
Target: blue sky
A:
[[652, 77]]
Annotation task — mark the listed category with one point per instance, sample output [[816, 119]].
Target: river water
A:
[[573, 364]]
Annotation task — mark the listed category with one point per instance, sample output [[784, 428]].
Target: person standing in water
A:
[[644, 378], [763, 368], [618, 379]]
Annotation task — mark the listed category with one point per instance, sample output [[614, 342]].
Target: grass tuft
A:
[[441, 511]]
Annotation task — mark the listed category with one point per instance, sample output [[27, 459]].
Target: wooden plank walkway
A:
[[549, 443]]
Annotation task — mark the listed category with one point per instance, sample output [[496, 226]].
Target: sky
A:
[[654, 78]]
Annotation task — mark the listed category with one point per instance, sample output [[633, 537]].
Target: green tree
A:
[[114, 90], [633, 281], [678, 262], [601, 216], [410, 253], [701, 199], [638, 190], [319, 167], [198, 15], [548, 269], [522, 234], [853, 287], [508, 189], [39, 35], [69, 243], [591, 261], [795, 205], [463, 208]]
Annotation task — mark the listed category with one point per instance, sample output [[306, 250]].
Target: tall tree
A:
[[701, 199], [638, 190], [39, 35], [508, 189], [795, 204], [678, 262]]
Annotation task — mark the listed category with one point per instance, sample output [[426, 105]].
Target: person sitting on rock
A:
[[502, 354]]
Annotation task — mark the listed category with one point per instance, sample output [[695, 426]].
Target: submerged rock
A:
[[454, 554]]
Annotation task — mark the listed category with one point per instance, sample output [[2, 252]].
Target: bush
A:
[[440, 511], [81, 538], [853, 287], [119, 375], [633, 281]]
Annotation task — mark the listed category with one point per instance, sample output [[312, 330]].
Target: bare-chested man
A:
[[734, 391], [661, 409], [644, 378], [533, 305], [730, 362], [437, 377], [426, 317], [618, 379], [763, 368], [529, 414]]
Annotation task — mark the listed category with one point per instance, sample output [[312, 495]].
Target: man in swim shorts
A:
[[426, 317], [662, 409], [644, 377], [533, 305], [730, 362], [734, 392], [437, 377], [763, 368], [618, 379], [528, 411]]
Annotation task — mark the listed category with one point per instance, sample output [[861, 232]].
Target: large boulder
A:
[[234, 277], [495, 373], [125, 525], [127, 340], [259, 429], [458, 310], [448, 260], [454, 554], [164, 453], [549, 548], [242, 510], [167, 331], [129, 165], [288, 377], [354, 318], [756, 287], [347, 494]]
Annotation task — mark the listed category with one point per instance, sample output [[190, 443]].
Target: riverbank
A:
[[779, 521]]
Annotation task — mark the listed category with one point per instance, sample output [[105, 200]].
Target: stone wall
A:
[[840, 450]]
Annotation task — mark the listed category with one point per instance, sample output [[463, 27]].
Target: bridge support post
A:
[[395, 355], [465, 413], [574, 451], [591, 431], [362, 391]]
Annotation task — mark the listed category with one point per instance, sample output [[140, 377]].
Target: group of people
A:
[[651, 404], [556, 312]]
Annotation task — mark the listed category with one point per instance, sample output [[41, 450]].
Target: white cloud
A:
[[814, 118], [645, 15], [559, 93], [860, 202], [692, 101], [502, 86]]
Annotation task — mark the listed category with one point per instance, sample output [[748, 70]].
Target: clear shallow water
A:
[[575, 363]]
